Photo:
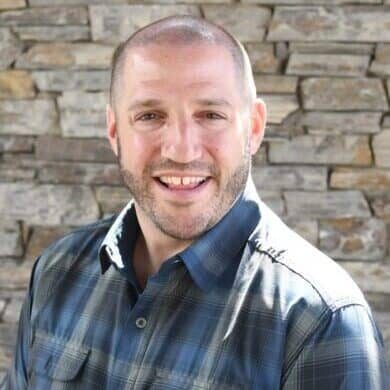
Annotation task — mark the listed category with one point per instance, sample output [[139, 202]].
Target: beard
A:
[[192, 226]]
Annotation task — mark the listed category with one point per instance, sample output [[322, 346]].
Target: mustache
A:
[[169, 165]]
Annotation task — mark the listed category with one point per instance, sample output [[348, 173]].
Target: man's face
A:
[[183, 134]]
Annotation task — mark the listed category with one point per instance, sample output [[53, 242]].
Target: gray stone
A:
[[10, 239], [331, 204], [353, 239], [322, 149], [247, 23], [273, 199], [115, 23], [279, 107], [381, 148], [312, 2], [368, 179], [330, 24], [12, 311], [14, 276], [290, 177], [332, 48], [83, 114], [381, 64], [8, 334], [381, 206], [340, 122], [383, 321], [28, 117], [276, 84], [112, 199], [12, 4], [66, 55], [342, 94], [16, 84], [386, 118], [259, 159], [327, 64], [308, 229], [52, 33], [44, 16], [41, 237], [79, 173], [10, 47], [37, 3], [16, 144], [10, 173], [58, 80], [371, 277], [70, 149], [281, 132], [262, 57], [48, 205]]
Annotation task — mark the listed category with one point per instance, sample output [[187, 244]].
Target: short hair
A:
[[184, 29]]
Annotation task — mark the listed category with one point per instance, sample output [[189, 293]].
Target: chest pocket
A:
[[53, 360]]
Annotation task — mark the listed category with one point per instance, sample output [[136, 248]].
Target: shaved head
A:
[[179, 31]]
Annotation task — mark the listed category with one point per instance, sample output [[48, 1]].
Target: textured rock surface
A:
[[381, 64], [52, 33], [280, 106], [10, 47], [16, 84], [367, 179], [381, 146]]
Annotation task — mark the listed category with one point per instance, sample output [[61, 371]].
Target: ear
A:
[[112, 133], [259, 118]]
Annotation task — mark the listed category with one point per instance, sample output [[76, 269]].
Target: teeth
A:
[[175, 180]]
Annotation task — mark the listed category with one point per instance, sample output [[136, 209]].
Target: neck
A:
[[153, 247]]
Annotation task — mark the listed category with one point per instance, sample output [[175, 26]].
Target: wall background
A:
[[323, 68]]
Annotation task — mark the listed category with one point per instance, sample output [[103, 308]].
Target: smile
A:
[[184, 183]]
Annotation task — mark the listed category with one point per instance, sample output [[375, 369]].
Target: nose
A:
[[181, 141]]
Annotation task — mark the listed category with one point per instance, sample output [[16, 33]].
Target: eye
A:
[[213, 115], [148, 116]]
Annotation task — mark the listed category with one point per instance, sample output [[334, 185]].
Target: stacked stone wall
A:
[[322, 67]]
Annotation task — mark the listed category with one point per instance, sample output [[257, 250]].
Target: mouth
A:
[[182, 183]]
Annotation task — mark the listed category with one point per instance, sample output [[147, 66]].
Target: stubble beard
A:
[[194, 226]]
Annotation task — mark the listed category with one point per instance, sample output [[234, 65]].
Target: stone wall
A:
[[322, 66]]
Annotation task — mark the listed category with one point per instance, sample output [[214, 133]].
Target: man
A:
[[196, 284]]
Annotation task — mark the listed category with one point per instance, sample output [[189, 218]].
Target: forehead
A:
[[178, 67]]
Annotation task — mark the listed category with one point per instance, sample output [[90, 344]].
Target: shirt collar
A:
[[207, 258]]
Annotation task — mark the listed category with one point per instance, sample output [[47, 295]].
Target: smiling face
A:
[[184, 134]]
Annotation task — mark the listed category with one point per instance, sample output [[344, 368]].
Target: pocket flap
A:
[[57, 358]]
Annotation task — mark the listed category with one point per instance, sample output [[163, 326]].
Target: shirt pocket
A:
[[54, 360]]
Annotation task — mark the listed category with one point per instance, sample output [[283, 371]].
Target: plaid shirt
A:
[[249, 305]]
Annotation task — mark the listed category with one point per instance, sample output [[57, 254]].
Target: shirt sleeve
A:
[[345, 353], [17, 375]]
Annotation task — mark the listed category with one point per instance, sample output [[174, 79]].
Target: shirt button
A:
[[140, 322]]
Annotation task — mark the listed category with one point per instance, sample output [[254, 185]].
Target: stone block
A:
[[247, 23], [322, 149], [262, 58], [386, 118], [273, 199], [260, 158], [381, 206], [52, 33], [10, 239], [331, 204], [381, 64], [112, 199], [275, 84], [370, 179], [28, 117], [343, 94], [63, 80], [279, 107], [12, 311], [48, 205], [79, 173], [66, 55], [16, 84], [38, 3], [290, 177], [10, 173], [12, 4], [311, 2], [44, 16], [14, 276], [313, 23], [383, 321], [308, 229], [327, 64], [71, 149], [332, 48], [86, 119], [353, 239], [16, 144], [41, 237], [381, 148], [339, 122], [370, 277], [10, 47], [115, 23]]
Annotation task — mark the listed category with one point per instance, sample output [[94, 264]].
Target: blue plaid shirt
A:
[[249, 305]]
